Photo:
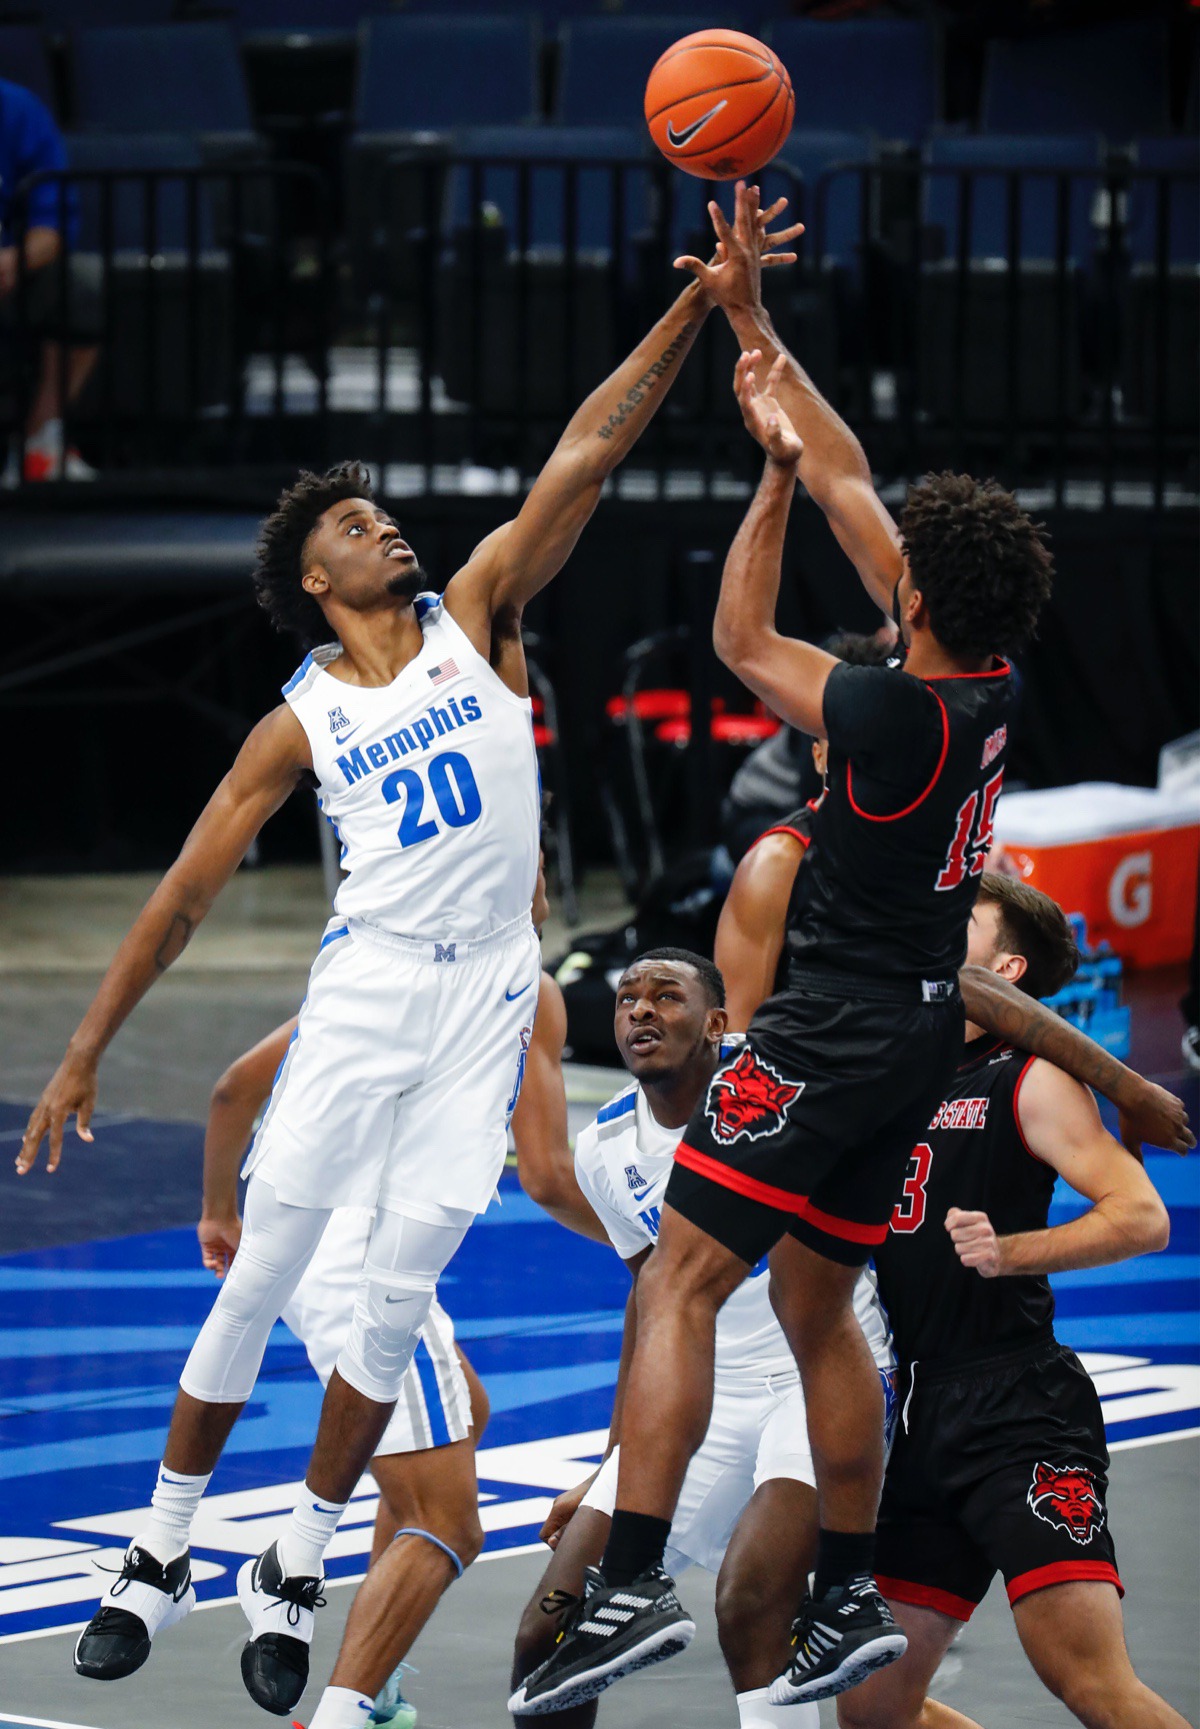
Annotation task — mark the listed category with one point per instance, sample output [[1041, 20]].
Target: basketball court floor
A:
[[102, 1292]]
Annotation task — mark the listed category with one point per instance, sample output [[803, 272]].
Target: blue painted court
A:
[[94, 1335]]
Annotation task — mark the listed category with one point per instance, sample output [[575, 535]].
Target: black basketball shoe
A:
[[280, 1612], [839, 1639], [142, 1600], [611, 1631]]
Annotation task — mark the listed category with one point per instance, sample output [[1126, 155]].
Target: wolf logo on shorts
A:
[[1067, 1499], [749, 1100]]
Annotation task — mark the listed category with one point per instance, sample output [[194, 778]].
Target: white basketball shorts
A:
[[758, 1431], [434, 1407], [402, 1073]]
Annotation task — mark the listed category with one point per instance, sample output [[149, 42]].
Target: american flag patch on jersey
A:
[[439, 674]]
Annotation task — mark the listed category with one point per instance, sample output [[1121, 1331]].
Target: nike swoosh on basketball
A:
[[511, 996], [678, 139]]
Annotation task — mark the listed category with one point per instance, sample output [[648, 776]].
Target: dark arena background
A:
[[291, 232]]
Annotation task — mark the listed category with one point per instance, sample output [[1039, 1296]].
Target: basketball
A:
[[719, 104]]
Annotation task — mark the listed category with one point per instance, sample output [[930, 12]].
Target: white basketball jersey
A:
[[623, 1160], [430, 783]]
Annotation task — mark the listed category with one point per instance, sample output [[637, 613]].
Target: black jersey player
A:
[[999, 1463], [801, 1142]]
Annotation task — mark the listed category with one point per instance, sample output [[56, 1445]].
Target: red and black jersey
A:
[[900, 839], [973, 1156]]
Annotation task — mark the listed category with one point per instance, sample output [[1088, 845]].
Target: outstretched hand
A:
[[765, 419], [71, 1091], [744, 249]]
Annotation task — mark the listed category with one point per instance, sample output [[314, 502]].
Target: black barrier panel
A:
[[1043, 322], [209, 319], [1024, 307]]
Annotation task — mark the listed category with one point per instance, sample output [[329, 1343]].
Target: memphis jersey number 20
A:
[[452, 783]]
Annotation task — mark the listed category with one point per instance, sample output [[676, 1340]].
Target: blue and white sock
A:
[[172, 1509], [342, 1708], [303, 1544]]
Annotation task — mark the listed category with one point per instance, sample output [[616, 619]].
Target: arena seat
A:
[[1037, 231], [1110, 78], [881, 75], [1040, 312], [165, 78], [24, 60], [76, 14], [547, 149], [604, 64], [421, 73]]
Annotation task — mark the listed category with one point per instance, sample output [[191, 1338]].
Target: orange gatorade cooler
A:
[[1126, 857]]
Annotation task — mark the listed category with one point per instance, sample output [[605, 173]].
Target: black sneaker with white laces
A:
[[280, 1612], [607, 1633], [839, 1639], [145, 1597]]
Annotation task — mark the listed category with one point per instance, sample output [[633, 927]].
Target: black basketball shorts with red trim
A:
[[1000, 1467], [809, 1129]]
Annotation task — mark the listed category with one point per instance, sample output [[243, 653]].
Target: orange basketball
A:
[[719, 104]]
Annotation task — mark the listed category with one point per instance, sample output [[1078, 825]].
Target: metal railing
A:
[[1040, 321]]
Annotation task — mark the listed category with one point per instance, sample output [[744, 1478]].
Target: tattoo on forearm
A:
[[1032, 1027], [646, 382], [176, 940]]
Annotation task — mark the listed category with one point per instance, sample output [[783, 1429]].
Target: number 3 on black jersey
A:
[[968, 852]]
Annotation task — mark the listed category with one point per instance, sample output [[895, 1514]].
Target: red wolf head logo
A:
[[1067, 1499], [748, 1099]]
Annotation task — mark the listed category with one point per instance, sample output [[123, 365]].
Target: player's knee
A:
[[1096, 1697], [383, 1335], [466, 1537], [742, 1604]]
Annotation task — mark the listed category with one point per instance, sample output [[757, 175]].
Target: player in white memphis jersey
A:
[[748, 1509], [416, 722]]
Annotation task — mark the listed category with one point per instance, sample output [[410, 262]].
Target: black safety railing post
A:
[[63, 267], [524, 442], [1162, 284], [427, 312], [325, 290], [273, 189], [865, 368], [381, 232], [571, 265], [107, 358], [150, 189], [1012, 314], [476, 310], [700, 574], [192, 189], [1110, 314], [237, 357], [1062, 218], [966, 189]]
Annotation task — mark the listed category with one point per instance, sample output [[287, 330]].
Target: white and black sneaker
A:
[[280, 1612], [609, 1632], [839, 1640], [142, 1600]]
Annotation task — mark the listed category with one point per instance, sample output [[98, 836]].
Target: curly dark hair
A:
[[857, 649], [1033, 925], [982, 566], [281, 542], [707, 971]]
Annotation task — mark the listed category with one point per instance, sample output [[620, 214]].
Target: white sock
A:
[[47, 439], [172, 1509], [303, 1544], [755, 1712], [341, 1708]]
